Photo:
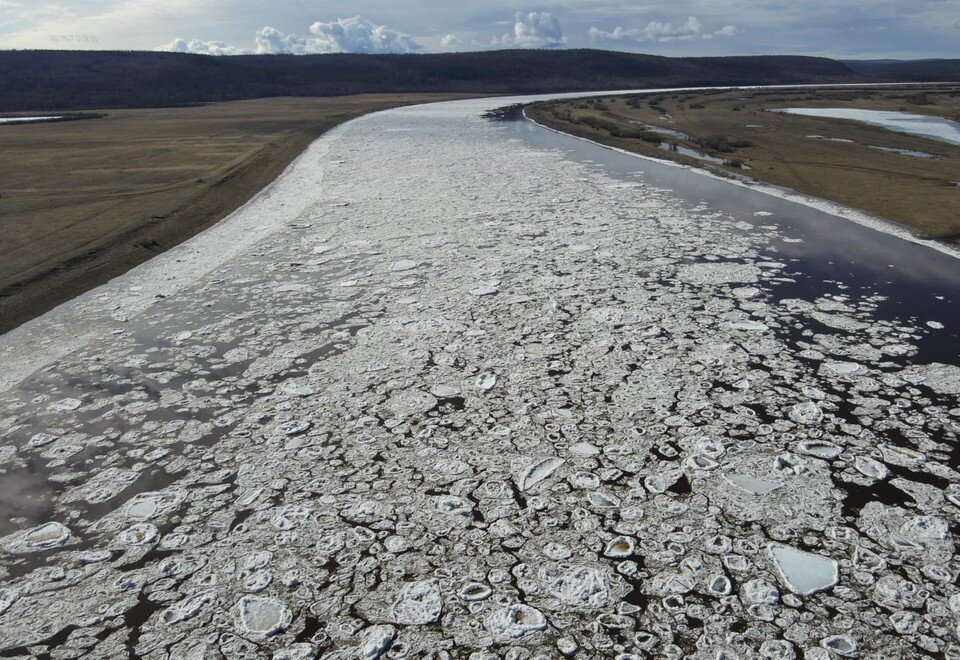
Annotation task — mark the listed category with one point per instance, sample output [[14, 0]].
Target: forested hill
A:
[[49, 80]]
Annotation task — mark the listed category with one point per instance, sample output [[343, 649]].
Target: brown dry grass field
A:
[[84, 201], [921, 193]]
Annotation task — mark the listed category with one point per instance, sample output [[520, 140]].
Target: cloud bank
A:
[[533, 30], [655, 31], [344, 35]]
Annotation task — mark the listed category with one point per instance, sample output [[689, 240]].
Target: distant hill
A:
[[57, 80], [908, 70]]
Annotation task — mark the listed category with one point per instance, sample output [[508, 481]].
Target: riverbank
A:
[[83, 202], [730, 133]]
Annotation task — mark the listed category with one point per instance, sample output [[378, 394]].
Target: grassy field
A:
[[921, 193], [84, 201]]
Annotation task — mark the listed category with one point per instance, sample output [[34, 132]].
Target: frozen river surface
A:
[[928, 126], [460, 387]]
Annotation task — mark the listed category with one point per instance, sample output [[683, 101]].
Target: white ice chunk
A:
[[537, 471], [261, 617], [418, 604], [752, 484], [803, 572]]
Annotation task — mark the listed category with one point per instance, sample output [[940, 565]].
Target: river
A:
[[459, 385]]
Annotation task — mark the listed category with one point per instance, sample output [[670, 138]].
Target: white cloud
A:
[[533, 30], [662, 32], [344, 35], [358, 35], [200, 47], [271, 41], [450, 41]]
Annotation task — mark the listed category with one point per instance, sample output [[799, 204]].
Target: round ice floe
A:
[[581, 587], [146, 506], [294, 427], [869, 467], [806, 413], [418, 604], [515, 622], [926, 527], [411, 402], [702, 463], [42, 439], [719, 585], [845, 368], [66, 405], [296, 388], [620, 547], [777, 649], [257, 581], [760, 591], [475, 591], [444, 391], [139, 534], [718, 273], [584, 480], [567, 646], [485, 288], [557, 551], [843, 645], [260, 617], [602, 500], [750, 326], [486, 381], [746, 291], [43, 537], [188, 608], [819, 449], [402, 265], [537, 471], [376, 640]]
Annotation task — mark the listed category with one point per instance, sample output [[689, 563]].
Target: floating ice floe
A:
[[752, 484], [475, 591], [486, 381], [515, 622], [485, 288], [66, 405], [42, 537], [7, 598], [620, 547], [581, 587], [260, 618], [804, 573], [941, 378], [146, 506], [845, 368], [537, 471], [188, 608], [418, 604], [807, 412], [139, 534], [376, 640], [718, 273]]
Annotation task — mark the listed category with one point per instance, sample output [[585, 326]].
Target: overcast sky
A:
[[835, 28]]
